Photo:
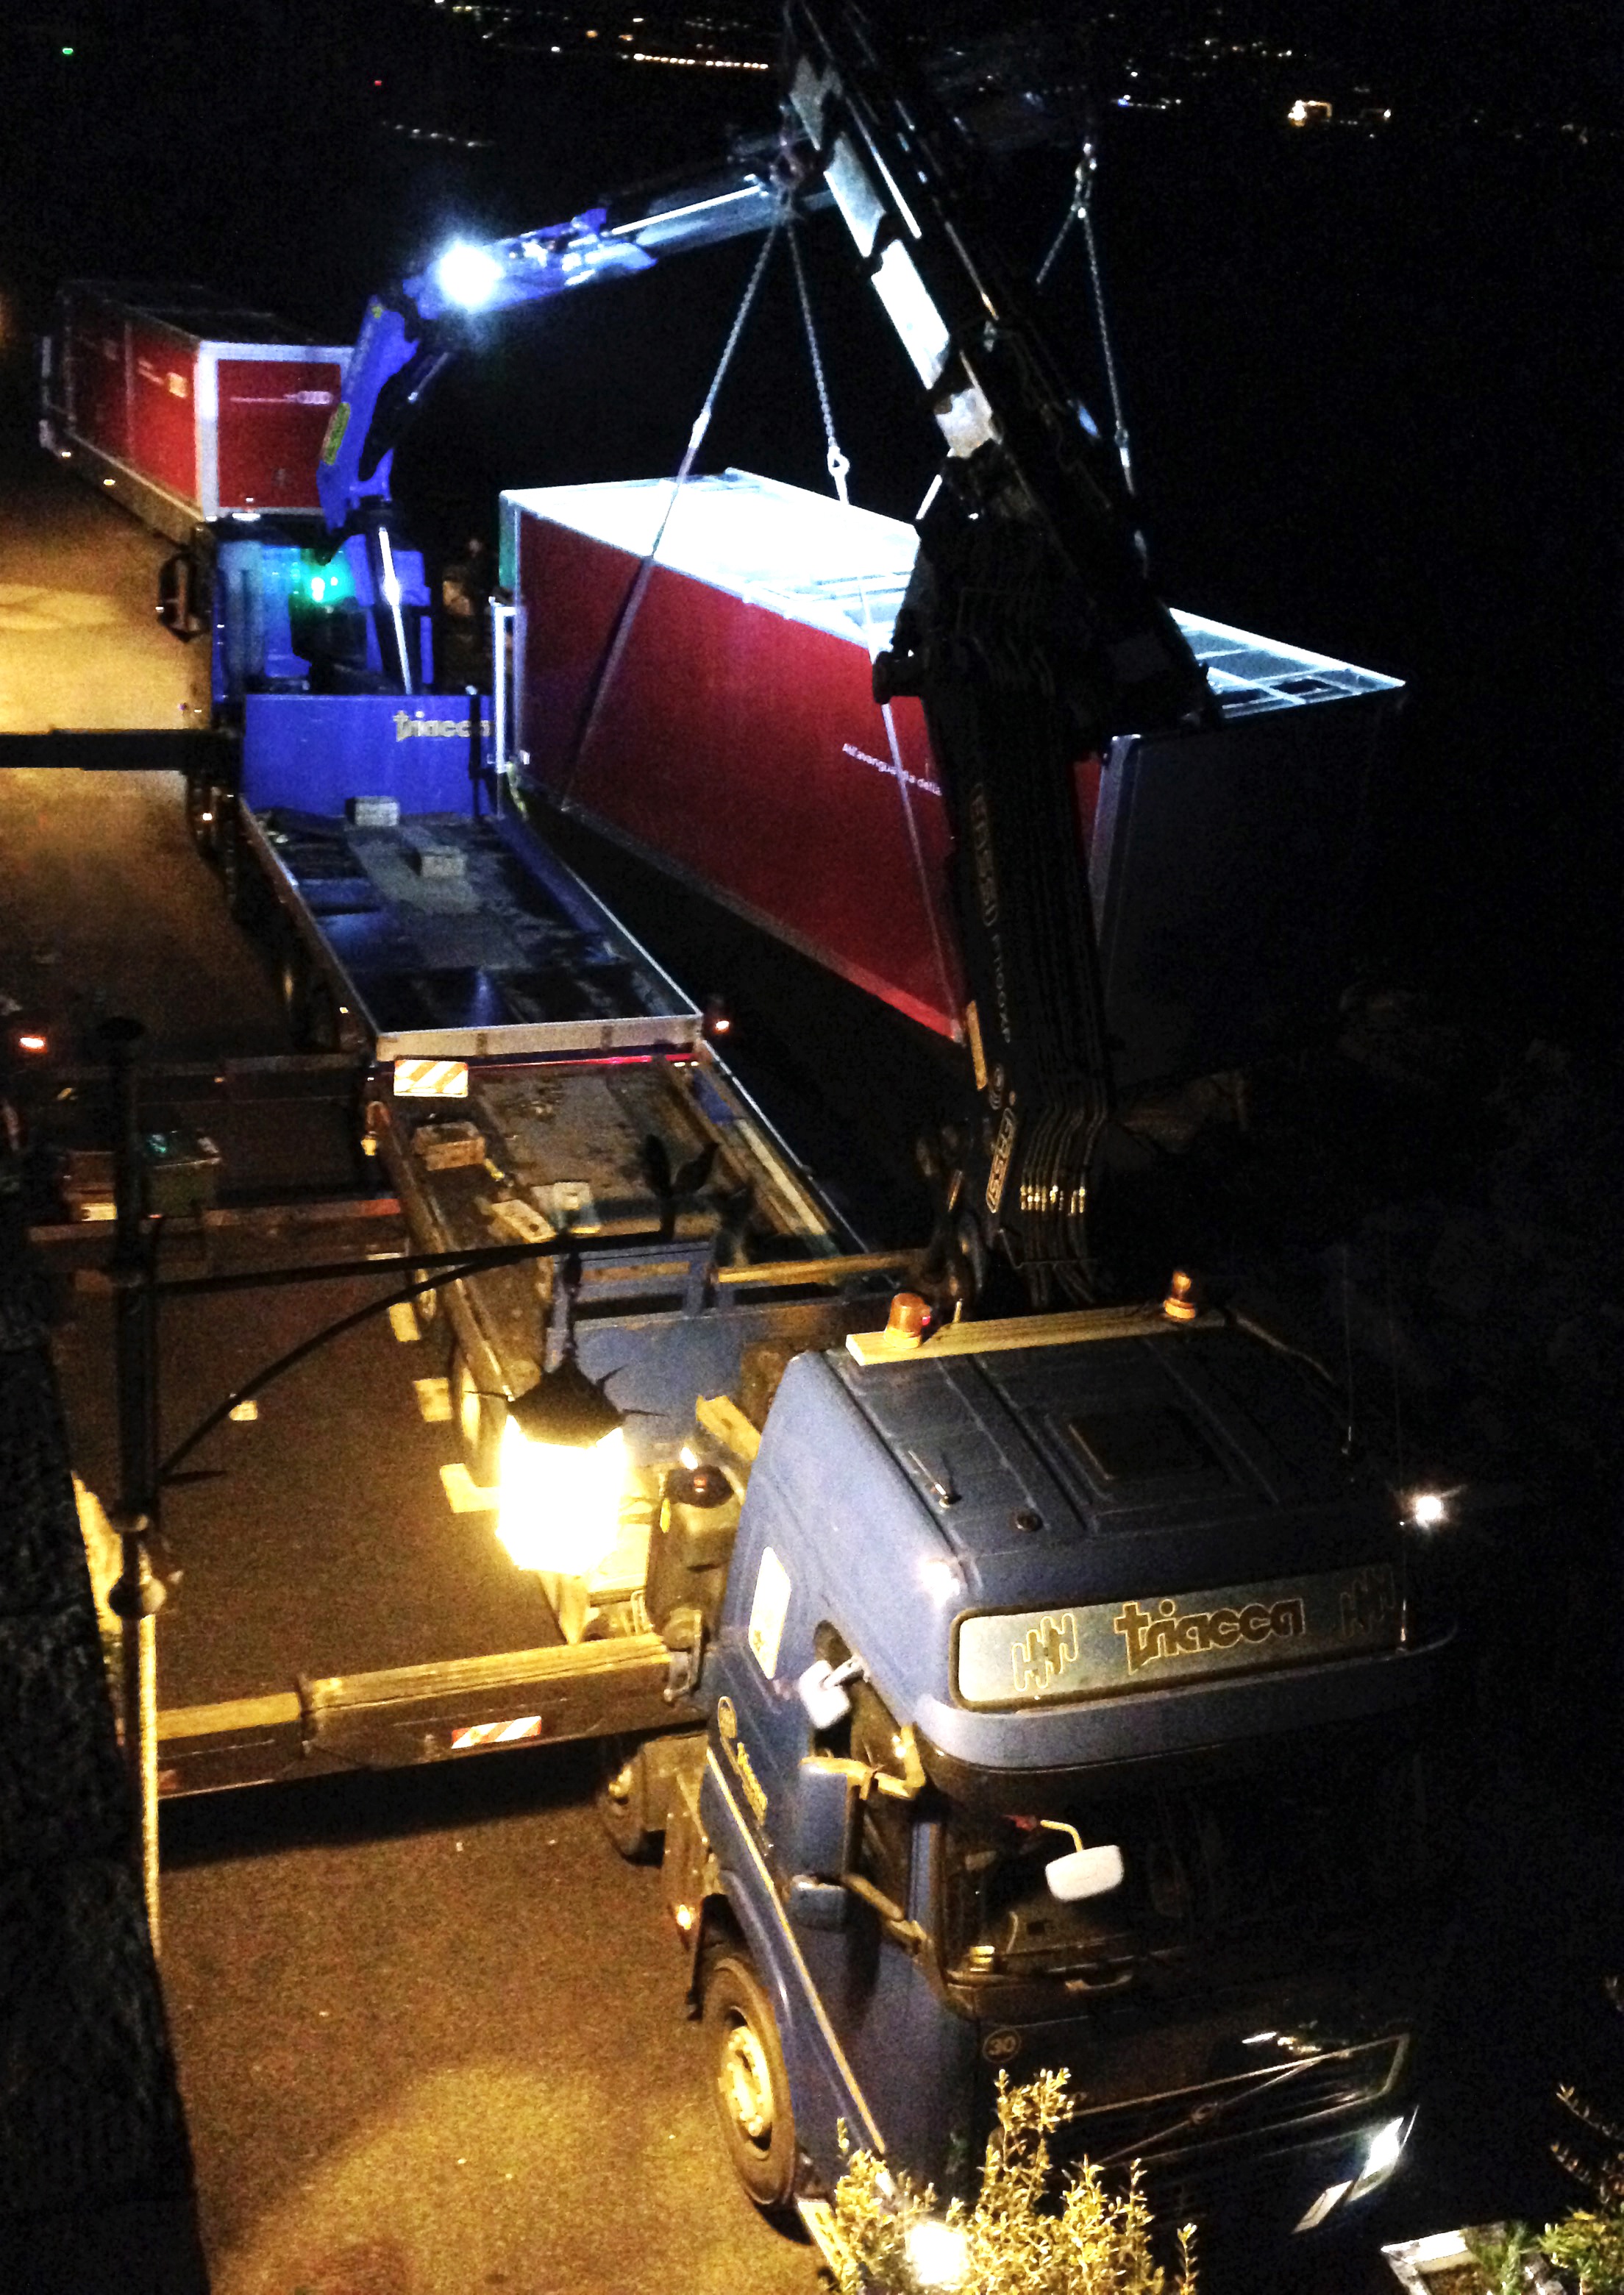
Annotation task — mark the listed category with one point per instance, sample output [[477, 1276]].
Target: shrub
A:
[[1014, 2240]]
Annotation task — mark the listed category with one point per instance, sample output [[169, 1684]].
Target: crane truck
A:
[[1016, 1679]]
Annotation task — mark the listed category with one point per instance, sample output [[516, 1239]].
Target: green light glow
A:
[[325, 585]]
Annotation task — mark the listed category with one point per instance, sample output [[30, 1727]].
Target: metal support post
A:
[[475, 761], [135, 1601], [138, 1595]]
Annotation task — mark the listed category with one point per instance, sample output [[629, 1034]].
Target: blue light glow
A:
[[466, 276]]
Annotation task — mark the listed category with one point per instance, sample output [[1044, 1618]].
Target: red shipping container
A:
[[186, 410], [163, 430], [710, 706], [737, 740]]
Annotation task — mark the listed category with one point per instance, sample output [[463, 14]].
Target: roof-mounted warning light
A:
[[1180, 1306]]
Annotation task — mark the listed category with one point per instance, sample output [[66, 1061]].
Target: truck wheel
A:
[[236, 872], [622, 1799], [319, 1027], [201, 814], [751, 2086], [480, 1419]]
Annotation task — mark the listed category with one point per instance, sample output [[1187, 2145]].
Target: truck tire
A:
[[201, 814], [622, 1799], [480, 1419], [237, 878], [750, 2083]]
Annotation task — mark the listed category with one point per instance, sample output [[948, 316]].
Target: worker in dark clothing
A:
[[465, 603]]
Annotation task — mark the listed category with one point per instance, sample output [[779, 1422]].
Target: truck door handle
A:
[[1117, 1983], [895, 1922]]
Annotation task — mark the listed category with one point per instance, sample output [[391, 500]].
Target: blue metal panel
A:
[[821, 2094], [654, 1367], [864, 1547], [312, 751]]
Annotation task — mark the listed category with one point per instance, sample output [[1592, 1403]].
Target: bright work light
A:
[[466, 276], [1383, 2155], [563, 1474], [938, 2254]]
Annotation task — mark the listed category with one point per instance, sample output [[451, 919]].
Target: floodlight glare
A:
[[1427, 1508], [1383, 2155], [466, 276], [564, 1469], [938, 2254]]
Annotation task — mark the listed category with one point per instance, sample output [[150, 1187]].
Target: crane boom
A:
[[411, 332], [1029, 631]]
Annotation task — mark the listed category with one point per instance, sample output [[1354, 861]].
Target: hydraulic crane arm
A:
[[1030, 633], [411, 332], [1030, 630], [902, 173]]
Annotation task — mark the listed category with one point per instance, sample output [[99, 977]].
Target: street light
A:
[[563, 1474]]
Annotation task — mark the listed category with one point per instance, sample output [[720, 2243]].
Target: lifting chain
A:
[[1081, 212], [609, 665], [837, 462], [839, 466]]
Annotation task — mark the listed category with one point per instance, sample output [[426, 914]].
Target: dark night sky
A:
[[1369, 377]]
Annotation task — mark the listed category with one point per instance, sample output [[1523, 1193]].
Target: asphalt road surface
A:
[[105, 908], [432, 2041], [431, 2027]]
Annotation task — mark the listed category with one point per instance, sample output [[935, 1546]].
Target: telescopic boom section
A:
[[1029, 631], [411, 332]]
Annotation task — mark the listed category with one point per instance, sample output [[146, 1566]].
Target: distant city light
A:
[[709, 63]]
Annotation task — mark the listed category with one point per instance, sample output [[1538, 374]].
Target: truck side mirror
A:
[[1086, 1871], [816, 1842], [822, 1692], [818, 1904]]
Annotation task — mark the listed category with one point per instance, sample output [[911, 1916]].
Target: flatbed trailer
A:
[[522, 1070]]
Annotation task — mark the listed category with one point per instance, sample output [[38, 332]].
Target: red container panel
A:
[[726, 728], [742, 747], [204, 409], [272, 416], [96, 367], [163, 445]]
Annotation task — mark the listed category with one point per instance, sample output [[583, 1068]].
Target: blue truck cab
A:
[[1085, 1594]]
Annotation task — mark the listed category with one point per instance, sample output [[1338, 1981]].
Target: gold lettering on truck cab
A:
[[1044, 1653], [1161, 1632], [739, 1759]]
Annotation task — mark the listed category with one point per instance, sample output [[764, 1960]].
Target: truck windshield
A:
[[1297, 1841]]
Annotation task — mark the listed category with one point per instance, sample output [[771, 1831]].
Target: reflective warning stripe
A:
[[496, 1733], [431, 1079]]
